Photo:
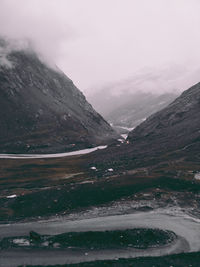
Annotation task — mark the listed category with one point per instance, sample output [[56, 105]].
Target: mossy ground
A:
[[139, 238], [68, 184]]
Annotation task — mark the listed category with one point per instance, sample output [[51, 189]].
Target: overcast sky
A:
[[97, 41]]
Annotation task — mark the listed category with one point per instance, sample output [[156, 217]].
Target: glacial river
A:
[[46, 156]]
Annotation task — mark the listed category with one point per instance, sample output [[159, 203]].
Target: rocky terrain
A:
[[175, 127], [160, 154], [151, 180], [41, 110], [170, 135]]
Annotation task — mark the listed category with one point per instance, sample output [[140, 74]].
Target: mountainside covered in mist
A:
[[170, 134], [138, 108], [128, 102], [41, 110]]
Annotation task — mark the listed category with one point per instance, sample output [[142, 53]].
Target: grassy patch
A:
[[139, 238], [59, 184], [75, 196]]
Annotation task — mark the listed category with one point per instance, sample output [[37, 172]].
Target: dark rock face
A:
[[175, 127], [42, 111]]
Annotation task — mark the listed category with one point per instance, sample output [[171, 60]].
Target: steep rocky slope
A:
[[170, 135], [41, 110], [175, 127]]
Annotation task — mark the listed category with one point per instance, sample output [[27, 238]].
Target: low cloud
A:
[[8, 45], [99, 41], [33, 24]]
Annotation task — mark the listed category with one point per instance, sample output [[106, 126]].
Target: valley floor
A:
[[72, 194], [187, 229]]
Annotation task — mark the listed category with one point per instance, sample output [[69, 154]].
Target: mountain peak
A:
[[41, 110]]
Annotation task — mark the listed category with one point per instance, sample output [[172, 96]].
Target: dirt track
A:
[[187, 228]]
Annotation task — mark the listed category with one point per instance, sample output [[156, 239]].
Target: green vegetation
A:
[[73, 197], [139, 238], [67, 185]]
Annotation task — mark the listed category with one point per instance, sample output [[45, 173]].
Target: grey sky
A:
[[97, 41]]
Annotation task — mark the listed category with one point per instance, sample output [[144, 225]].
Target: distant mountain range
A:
[[170, 134], [41, 110], [129, 102], [137, 109]]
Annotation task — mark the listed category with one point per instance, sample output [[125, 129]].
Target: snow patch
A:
[[21, 242], [124, 136], [197, 176], [58, 155], [87, 182], [126, 128], [11, 196]]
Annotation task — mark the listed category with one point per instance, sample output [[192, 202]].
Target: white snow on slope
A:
[[57, 155]]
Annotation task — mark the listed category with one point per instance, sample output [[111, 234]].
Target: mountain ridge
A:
[[43, 111], [179, 121], [170, 135]]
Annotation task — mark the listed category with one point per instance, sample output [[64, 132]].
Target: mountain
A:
[[128, 102], [175, 127], [138, 108], [41, 110], [170, 135]]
